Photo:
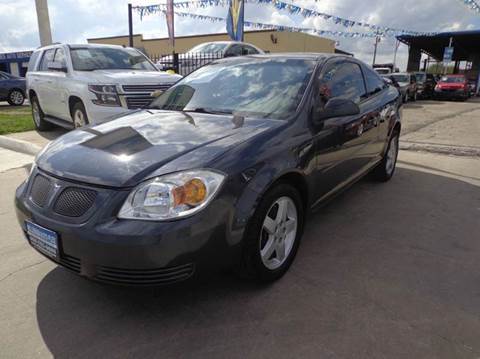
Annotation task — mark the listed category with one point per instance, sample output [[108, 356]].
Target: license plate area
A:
[[43, 239]]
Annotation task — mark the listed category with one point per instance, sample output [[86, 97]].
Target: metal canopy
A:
[[466, 44]]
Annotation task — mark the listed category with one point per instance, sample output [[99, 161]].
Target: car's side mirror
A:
[[57, 66], [336, 107]]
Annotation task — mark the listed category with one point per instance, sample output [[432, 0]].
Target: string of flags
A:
[[263, 26], [472, 4], [283, 6]]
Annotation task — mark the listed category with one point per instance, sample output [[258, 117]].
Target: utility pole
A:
[[377, 40], [397, 44], [43, 22], [130, 26]]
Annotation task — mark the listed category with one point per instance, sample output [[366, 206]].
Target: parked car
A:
[[383, 70], [406, 84], [74, 85], [425, 84], [472, 87], [452, 87], [206, 52], [12, 89], [219, 171]]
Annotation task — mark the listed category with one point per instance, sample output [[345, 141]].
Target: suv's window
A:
[[47, 57], [33, 61], [374, 81], [109, 58], [343, 80], [60, 57], [3, 77]]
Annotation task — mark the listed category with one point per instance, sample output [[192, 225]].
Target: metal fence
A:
[[183, 64]]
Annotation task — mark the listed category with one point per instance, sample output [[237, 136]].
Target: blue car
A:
[[12, 89]]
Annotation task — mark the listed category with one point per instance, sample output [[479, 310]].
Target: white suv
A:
[[74, 85]]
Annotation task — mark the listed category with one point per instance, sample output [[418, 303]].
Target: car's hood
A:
[[122, 152], [131, 77]]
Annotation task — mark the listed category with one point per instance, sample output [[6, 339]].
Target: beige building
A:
[[267, 40]]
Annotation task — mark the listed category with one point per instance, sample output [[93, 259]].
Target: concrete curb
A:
[[19, 145], [440, 149]]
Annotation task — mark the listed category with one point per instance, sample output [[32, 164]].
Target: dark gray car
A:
[[12, 89]]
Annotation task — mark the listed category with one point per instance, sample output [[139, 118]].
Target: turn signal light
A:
[[192, 193]]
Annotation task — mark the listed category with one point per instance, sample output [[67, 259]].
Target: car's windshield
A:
[[103, 58], [452, 79], [270, 88], [400, 78], [209, 47], [421, 77]]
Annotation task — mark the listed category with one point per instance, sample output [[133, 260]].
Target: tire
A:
[[79, 115], [406, 97], [386, 168], [16, 97], [38, 116], [414, 97], [261, 260]]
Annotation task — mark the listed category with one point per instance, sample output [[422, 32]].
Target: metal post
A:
[[445, 66], [377, 40], [130, 26], [397, 44], [43, 22]]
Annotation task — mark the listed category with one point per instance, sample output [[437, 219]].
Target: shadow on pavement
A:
[[386, 270]]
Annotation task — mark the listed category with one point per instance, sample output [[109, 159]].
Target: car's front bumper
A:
[[450, 94], [102, 247]]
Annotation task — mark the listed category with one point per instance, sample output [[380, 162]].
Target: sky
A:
[[73, 21]]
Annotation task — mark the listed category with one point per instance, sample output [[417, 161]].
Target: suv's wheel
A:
[[38, 116], [273, 234], [79, 115], [386, 168], [16, 98]]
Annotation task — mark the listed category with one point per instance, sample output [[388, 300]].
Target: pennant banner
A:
[[291, 8], [263, 26], [472, 4]]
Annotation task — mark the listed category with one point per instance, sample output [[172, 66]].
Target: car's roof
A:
[[299, 55], [454, 75], [400, 73], [80, 46]]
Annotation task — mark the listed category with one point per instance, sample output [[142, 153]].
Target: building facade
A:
[[15, 63], [267, 40]]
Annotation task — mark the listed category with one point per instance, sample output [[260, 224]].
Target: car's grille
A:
[[144, 276], [71, 263], [40, 191], [145, 88], [135, 102], [74, 202]]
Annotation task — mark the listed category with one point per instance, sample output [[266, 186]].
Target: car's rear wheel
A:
[[414, 97], [273, 234], [38, 116], [16, 98], [386, 168], [79, 115]]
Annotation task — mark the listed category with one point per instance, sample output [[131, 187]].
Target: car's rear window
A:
[[33, 61], [453, 79]]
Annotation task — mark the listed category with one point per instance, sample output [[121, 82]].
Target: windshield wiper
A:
[[209, 111]]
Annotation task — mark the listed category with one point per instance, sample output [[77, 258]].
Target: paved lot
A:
[[384, 271]]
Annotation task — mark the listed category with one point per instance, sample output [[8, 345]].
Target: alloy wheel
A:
[[392, 155], [79, 119], [16, 97], [278, 233]]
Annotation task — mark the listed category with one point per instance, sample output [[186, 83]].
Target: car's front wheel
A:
[[273, 234], [79, 115], [386, 168], [16, 98]]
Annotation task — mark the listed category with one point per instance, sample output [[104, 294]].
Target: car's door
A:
[[3, 86], [341, 142], [379, 111], [44, 82], [59, 100]]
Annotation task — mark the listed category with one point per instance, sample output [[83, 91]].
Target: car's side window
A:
[[344, 80], [60, 57], [374, 81], [235, 50], [249, 50], [47, 57], [33, 61], [3, 77]]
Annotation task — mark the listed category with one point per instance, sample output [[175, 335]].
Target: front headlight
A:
[[106, 95], [172, 196]]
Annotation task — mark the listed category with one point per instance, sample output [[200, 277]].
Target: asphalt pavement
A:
[[384, 271]]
